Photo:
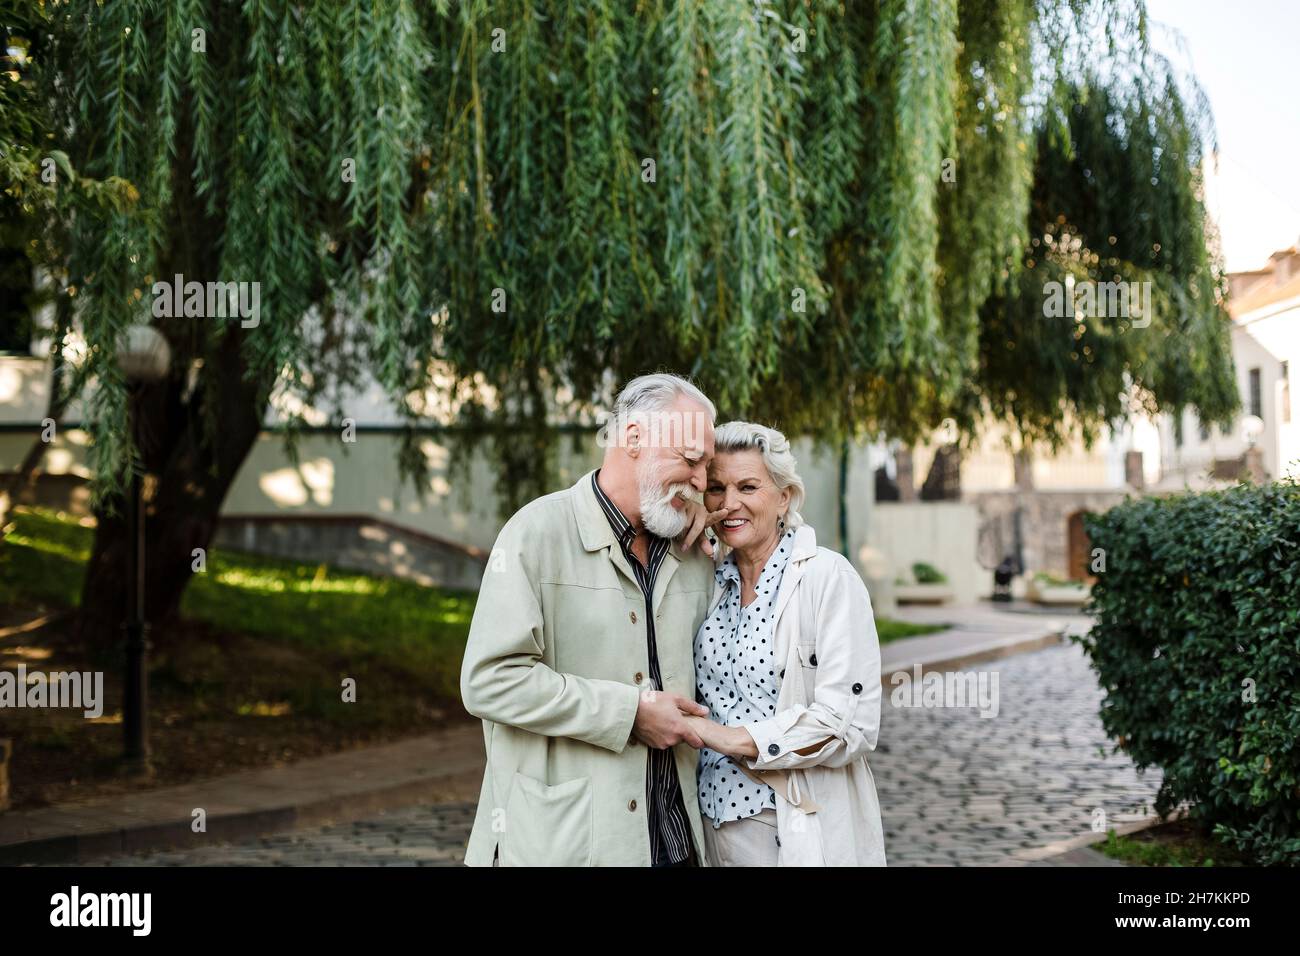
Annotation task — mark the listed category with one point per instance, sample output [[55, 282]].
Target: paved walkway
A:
[[975, 633], [958, 788], [442, 767], [955, 788]]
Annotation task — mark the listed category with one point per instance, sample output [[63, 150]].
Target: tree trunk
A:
[[192, 471], [192, 444], [905, 477]]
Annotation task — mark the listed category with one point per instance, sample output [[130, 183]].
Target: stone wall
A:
[[1044, 524], [356, 543]]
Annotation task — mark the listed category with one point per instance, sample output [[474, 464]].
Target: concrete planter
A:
[[1062, 595], [922, 593]]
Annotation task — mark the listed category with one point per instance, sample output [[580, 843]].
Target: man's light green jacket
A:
[[555, 664]]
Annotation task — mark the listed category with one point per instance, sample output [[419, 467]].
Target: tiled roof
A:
[[1253, 289], [1264, 293]]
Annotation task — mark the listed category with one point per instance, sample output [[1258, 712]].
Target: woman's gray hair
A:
[[777, 458]]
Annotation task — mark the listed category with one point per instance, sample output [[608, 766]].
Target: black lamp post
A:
[[143, 356]]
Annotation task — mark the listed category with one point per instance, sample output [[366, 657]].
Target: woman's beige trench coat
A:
[[827, 812]]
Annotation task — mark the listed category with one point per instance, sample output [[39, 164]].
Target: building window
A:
[[1256, 395], [1286, 391], [1205, 432]]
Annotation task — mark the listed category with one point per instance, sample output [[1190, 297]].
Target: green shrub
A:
[[928, 574], [1197, 645]]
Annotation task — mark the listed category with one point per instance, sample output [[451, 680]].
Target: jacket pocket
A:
[[808, 660], [547, 825]]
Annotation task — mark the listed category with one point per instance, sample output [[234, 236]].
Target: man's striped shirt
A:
[[670, 840]]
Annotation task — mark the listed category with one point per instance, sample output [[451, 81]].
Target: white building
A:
[[1033, 507], [1265, 307]]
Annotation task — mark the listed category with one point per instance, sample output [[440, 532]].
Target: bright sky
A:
[[1246, 55]]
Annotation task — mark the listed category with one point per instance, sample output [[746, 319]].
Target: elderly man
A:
[[579, 659]]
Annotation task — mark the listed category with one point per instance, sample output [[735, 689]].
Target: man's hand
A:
[[661, 720], [699, 519]]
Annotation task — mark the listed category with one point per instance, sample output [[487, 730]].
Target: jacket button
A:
[[773, 749], [857, 688], [638, 678], [633, 617], [813, 660], [778, 841], [631, 805], [783, 672]]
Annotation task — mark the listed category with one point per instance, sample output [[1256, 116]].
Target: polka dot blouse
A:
[[737, 678]]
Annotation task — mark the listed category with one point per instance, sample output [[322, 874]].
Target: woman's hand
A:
[[732, 741]]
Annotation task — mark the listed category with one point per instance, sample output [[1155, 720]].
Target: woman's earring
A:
[[780, 524]]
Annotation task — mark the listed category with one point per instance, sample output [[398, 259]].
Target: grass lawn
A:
[[887, 629], [394, 623], [250, 676], [1176, 843], [252, 673]]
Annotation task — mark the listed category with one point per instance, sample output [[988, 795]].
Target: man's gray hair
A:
[[777, 458], [657, 393], [647, 401]]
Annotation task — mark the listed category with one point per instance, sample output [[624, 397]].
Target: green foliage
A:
[[1116, 198], [1191, 849], [928, 574], [1197, 646], [504, 252], [40, 190]]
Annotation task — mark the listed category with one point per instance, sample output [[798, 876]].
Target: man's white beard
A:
[[657, 511]]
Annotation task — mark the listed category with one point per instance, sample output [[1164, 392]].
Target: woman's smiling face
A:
[[740, 483]]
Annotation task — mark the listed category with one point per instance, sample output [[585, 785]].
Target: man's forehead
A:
[[697, 437], [686, 426]]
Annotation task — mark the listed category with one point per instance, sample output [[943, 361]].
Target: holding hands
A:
[[732, 741], [664, 720]]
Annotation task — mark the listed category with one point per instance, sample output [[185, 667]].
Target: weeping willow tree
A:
[[824, 212], [1117, 198], [35, 218]]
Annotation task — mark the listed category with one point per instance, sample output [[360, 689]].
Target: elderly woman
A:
[[788, 663]]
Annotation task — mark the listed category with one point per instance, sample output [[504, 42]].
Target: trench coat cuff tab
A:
[[766, 734]]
